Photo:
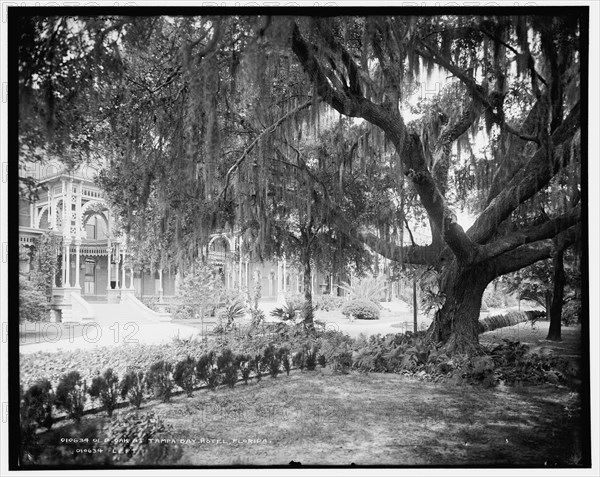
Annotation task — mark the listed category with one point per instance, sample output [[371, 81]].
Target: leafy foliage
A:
[[287, 312], [159, 379], [366, 289], [184, 375], [71, 395], [272, 360], [130, 434], [207, 369], [106, 388], [571, 313], [328, 302], [38, 401], [201, 292], [232, 311], [33, 305], [228, 367], [133, 385], [361, 309]]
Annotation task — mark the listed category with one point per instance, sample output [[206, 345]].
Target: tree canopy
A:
[[215, 121]]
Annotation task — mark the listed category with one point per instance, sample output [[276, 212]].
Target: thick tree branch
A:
[[528, 254], [546, 230], [409, 147], [533, 177], [476, 90]]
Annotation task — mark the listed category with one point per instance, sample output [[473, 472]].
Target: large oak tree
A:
[[197, 110]]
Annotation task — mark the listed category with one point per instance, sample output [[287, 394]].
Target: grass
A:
[[321, 418]]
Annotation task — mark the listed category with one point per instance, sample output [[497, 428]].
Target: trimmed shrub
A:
[[245, 364], [257, 366], [284, 356], [159, 379], [294, 301], [185, 375], [71, 395], [207, 370], [328, 302], [228, 367], [298, 360], [310, 357], [322, 360], [133, 385], [341, 361], [272, 360], [106, 388], [38, 400], [361, 309]]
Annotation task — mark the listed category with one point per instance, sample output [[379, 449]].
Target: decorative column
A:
[[51, 209], [109, 266], [131, 286], [68, 263], [77, 262], [123, 287], [160, 286]]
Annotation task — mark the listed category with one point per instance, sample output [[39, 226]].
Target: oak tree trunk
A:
[[557, 296], [456, 323]]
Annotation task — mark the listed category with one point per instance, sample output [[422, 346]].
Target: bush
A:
[[366, 289], [232, 311], [257, 366], [361, 309], [284, 356], [201, 292], [33, 304], [341, 362], [287, 312], [207, 370], [71, 395], [294, 301], [159, 379], [272, 360], [106, 388], [29, 449], [133, 385], [322, 360], [571, 313], [185, 376], [38, 400], [298, 360], [245, 364], [310, 357], [228, 368], [328, 302]]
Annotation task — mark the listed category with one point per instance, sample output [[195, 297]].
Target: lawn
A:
[[320, 418], [323, 418]]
